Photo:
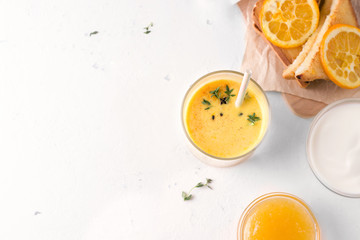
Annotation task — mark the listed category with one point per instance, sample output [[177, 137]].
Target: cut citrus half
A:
[[289, 23], [340, 55]]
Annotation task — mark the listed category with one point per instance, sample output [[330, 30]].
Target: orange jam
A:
[[278, 216]]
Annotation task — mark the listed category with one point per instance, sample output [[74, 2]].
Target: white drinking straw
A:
[[243, 87]]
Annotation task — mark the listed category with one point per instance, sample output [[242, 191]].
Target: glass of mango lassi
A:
[[217, 132], [279, 216]]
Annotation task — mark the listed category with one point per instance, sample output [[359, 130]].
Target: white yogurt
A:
[[334, 147]]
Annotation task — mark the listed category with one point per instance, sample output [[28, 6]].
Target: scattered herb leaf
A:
[[147, 29], [253, 118], [208, 180], [223, 100], [187, 196], [93, 33], [200, 184], [247, 96], [206, 102]]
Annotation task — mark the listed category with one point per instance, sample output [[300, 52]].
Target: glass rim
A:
[[184, 127], [316, 119], [270, 195]]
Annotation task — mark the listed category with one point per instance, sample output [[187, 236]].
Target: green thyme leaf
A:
[[216, 93], [253, 118], [247, 96], [228, 91], [206, 102], [200, 184], [208, 180], [186, 196], [93, 33]]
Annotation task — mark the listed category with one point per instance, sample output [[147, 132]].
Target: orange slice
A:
[[340, 55], [289, 23]]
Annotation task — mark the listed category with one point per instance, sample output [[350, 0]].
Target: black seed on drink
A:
[[223, 101], [213, 117], [221, 114], [240, 114]]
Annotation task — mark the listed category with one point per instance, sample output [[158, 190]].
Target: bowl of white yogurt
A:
[[333, 147]]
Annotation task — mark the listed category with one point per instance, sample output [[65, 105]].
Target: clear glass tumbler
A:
[[262, 99]]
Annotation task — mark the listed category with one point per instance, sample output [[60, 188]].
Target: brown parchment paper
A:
[[267, 68]]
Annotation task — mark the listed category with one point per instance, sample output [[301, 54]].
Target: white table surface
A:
[[91, 144]]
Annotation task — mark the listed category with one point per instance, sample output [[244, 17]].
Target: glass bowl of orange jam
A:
[[278, 216]]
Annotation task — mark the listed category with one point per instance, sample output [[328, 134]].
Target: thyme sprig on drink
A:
[[206, 102], [223, 100], [187, 196], [228, 93], [216, 93], [253, 118]]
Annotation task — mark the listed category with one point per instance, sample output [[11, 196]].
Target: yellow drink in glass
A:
[[219, 133]]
